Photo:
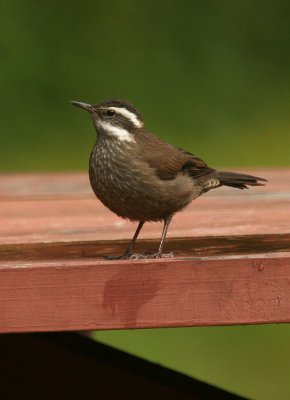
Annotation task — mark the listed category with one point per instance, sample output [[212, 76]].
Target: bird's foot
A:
[[148, 256], [121, 257], [168, 255], [140, 256]]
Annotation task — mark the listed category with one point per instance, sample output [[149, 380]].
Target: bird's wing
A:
[[168, 160], [194, 165]]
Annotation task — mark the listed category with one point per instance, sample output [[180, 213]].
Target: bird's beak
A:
[[85, 106]]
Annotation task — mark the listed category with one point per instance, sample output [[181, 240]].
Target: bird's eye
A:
[[110, 113]]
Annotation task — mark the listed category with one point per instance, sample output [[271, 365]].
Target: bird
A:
[[142, 178]]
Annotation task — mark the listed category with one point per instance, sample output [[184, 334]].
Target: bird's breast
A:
[[129, 187]]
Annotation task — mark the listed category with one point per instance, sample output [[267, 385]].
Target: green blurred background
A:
[[211, 76]]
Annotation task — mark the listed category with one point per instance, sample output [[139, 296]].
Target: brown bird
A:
[[142, 178]]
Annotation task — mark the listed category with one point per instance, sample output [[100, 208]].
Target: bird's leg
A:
[[167, 221], [127, 253], [131, 244], [159, 254]]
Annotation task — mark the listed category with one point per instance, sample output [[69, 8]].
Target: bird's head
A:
[[115, 118]]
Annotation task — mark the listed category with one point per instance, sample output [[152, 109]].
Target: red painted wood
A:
[[52, 277], [92, 294], [61, 207]]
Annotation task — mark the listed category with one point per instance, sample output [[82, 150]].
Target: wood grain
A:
[[72, 295], [37, 208], [231, 264]]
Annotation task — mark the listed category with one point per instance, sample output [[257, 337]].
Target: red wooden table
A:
[[231, 264]]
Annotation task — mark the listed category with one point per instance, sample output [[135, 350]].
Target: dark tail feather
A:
[[240, 181]]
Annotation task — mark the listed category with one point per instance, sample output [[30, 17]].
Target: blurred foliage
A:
[[252, 361], [210, 76]]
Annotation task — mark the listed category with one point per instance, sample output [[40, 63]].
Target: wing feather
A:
[[168, 160]]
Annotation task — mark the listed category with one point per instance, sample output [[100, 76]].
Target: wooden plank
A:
[[59, 295], [222, 246], [38, 208], [52, 278]]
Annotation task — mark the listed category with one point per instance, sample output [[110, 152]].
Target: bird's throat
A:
[[117, 132]]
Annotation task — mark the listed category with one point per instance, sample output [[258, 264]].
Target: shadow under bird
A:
[[142, 178]]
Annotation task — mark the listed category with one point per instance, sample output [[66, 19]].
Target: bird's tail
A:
[[239, 181]]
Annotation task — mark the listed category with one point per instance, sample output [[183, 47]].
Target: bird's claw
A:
[[140, 256], [148, 256], [121, 257]]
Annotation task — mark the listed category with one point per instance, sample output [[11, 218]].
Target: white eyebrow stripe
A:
[[128, 114], [119, 133]]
